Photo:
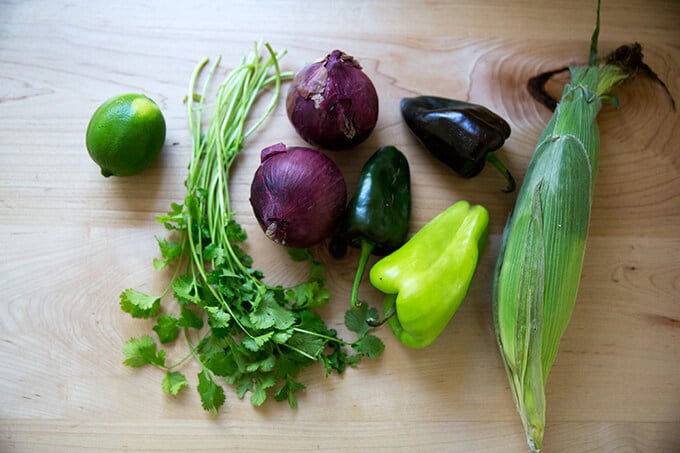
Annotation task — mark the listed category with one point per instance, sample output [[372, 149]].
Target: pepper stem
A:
[[388, 314], [366, 250], [492, 159]]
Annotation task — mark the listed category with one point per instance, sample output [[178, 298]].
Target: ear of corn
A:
[[539, 265]]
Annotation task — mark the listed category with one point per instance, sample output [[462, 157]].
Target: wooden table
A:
[[72, 240]]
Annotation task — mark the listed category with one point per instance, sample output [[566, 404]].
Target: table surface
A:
[[72, 240]]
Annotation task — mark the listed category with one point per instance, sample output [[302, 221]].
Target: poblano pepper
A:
[[377, 216], [461, 135], [427, 278]]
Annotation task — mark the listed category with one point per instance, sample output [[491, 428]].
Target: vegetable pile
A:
[[257, 337]]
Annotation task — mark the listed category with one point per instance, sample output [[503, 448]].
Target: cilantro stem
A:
[[320, 335], [180, 362], [205, 370], [301, 352]]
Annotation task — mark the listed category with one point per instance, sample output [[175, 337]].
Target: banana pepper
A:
[[427, 278]]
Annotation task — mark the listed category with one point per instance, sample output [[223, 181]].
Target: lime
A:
[[125, 134]]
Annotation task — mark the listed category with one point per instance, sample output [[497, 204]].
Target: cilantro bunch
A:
[[242, 332]]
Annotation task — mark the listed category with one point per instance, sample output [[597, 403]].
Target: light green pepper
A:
[[427, 278]]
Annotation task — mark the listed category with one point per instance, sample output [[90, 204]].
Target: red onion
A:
[[332, 103], [298, 195]]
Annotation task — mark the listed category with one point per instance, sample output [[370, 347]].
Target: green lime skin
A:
[[125, 134]]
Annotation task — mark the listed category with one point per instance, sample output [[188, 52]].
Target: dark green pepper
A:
[[377, 216], [463, 136]]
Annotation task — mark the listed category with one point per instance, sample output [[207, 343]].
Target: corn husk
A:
[[540, 261]]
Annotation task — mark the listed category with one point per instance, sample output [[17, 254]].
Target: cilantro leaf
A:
[[235, 232], [338, 360], [369, 346], [258, 396], [215, 254], [266, 364], [174, 219], [311, 321], [222, 365], [169, 251], [255, 343], [218, 318], [311, 293], [309, 345], [244, 384], [138, 304], [282, 337], [260, 387], [308, 295], [143, 351], [270, 314], [166, 328], [190, 318], [212, 395], [287, 392], [173, 382], [213, 354], [184, 289], [366, 344], [209, 346], [355, 319]]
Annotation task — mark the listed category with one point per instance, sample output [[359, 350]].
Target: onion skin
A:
[[332, 103], [298, 195]]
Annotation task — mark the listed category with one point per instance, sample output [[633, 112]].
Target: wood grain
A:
[[71, 240]]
